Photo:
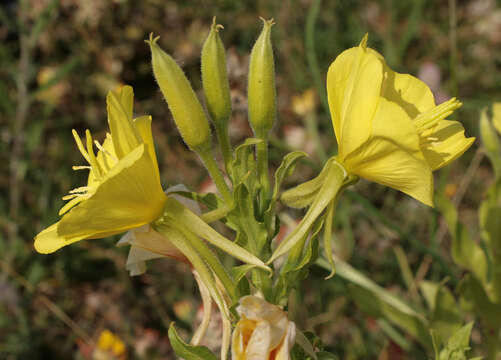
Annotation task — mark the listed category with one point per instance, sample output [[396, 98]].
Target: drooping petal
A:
[[128, 196], [449, 145], [125, 137], [353, 86], [48, 240], [147, 239]]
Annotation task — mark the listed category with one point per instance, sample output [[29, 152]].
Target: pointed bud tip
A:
[[152, 40], [215, 26], [363, 43], [267, 23]]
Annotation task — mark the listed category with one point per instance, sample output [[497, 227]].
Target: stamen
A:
[[101, 148], [426, 122], [80, 145], [80, 190], [81, 167], [69, 197], [92, 157]]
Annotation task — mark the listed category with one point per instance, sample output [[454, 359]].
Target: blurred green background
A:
[[58, 59]]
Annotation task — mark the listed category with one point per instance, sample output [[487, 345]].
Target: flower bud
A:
[[263, 332], [489, 136], [214, 77], [186, 110], [261, 88]]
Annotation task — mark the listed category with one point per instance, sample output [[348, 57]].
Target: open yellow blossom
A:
[[387, 125], [263, 332], [123, 189]]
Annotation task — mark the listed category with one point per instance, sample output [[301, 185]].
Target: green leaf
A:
[[445, 317], [184, 217], [305, 344], [188, 352], [381, 303], [473, 292], [244, 164], [457, 345], [491, 143], [244, 216], [284, 170], [238, 272], [465, 251]]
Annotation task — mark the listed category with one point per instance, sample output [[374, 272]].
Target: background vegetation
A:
[[59, 58]]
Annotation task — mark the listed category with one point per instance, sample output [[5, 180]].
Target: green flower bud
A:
[[261, 88], [215, 78], [186, 110], [489, 136]]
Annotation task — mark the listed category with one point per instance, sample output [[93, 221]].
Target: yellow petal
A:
[[386, 163], [143, 127], [125, 138], [126, 96], [450, 144], [353, 86], [49, 241], [412, 94], [128, 196]]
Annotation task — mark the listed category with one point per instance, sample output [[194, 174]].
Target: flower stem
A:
[[216, 175], [262, 170], [209, 257], [328, 236], [224, 143], [493, 345]]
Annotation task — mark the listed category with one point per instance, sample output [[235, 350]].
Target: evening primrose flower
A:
[[263, 331], [123, 189], [388, 129], [387, 125]]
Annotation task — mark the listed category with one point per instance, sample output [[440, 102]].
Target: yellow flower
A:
[[109, 346], [123, 189], [263, 332], [387, 125]]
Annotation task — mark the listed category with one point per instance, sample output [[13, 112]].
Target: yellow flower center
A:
[[98, 169]]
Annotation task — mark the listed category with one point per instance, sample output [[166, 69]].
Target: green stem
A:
[[333, 183], [216, 175], [224, 142], [209, 257], [262, 170], [215, 215], [493, 345], [312, 128], [311, 55]]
